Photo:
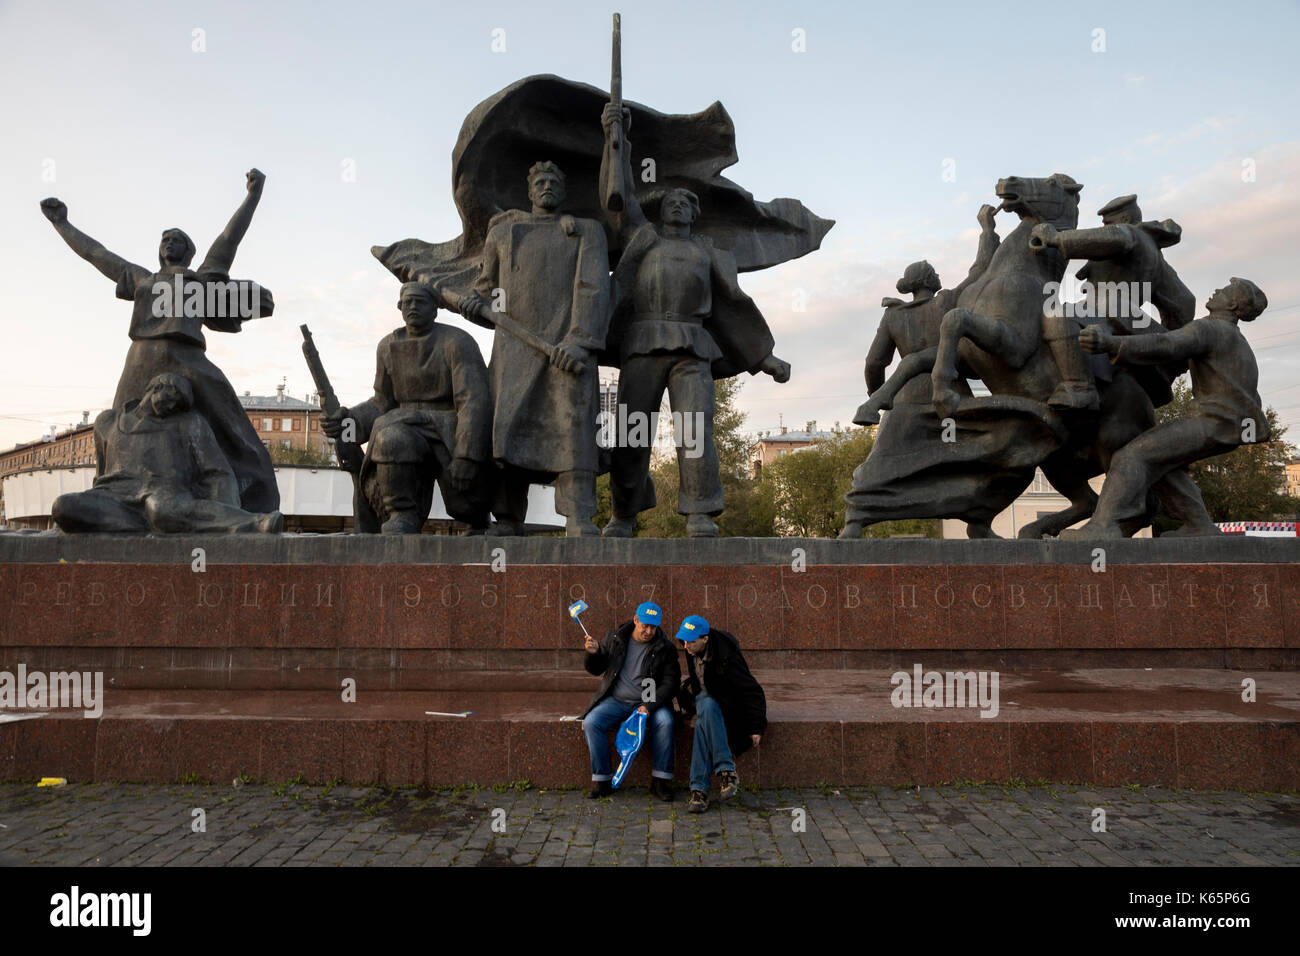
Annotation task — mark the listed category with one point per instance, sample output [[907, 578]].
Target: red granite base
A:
[[821, 613]]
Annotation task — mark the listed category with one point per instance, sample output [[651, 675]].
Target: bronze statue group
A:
[[568, 287], [1074, 389]]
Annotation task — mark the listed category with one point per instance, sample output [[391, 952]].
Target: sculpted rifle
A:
[[612, 188], [349, 452]]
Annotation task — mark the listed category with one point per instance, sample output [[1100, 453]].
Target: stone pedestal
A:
[[241, 665]]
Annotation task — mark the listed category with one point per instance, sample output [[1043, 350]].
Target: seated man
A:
[[638, 668], [729, 704], [429, 420], [160, 469], [1225, 407]]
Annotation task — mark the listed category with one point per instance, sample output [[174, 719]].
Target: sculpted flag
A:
[[549, 118]]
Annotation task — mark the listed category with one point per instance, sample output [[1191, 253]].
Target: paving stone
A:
[[133, 824]]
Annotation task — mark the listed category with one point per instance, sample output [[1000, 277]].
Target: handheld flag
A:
[[575, 609]]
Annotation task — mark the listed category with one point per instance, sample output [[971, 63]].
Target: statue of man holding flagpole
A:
[[680, 321]]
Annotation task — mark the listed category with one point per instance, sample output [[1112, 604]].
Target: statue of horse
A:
[[996, 330]]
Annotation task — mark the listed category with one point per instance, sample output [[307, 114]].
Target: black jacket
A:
[[660, 664], [728, 681]]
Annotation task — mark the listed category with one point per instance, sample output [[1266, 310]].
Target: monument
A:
[[909, 448], [598, 231], [675, 311], [1050, 407]]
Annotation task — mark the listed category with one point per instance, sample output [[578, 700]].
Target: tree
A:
[[808, 485], [1245, 484]]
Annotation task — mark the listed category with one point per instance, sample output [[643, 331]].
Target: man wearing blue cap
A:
[[638, 668], [729, 704]]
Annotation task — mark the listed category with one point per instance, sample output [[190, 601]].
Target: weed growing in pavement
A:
[[279, 789]]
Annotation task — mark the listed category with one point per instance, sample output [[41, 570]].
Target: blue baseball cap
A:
[[693, 627], [647, 612]]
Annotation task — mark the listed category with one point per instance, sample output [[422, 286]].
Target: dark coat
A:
[[728, 681], [660, 664]]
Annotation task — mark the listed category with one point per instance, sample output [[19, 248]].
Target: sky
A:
[[895, 120]]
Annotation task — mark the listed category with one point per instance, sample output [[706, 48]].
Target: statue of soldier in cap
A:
[[428, 421], [1126, 263], [1225, 412], [550, 273], [680, 321]]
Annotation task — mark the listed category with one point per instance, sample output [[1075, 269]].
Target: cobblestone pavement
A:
[[977, 825]]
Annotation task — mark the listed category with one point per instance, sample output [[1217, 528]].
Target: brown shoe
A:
[[730, 781], [662, 789]]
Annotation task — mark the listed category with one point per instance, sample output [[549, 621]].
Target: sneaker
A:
[[730, 784], [600, 788], [662, 789], [699, 802]]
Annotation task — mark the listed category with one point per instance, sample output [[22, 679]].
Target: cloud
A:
[[1163, 142]]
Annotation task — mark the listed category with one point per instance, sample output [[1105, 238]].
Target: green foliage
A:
[[604, 502], [663, 521], [1247, 483], [299, 456], [806, 489], [294, 781], [807, 486]]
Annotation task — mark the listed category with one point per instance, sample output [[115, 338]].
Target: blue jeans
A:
[[710, 752], [608, 715]]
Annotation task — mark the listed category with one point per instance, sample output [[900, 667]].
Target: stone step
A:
[[1169, 727]]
